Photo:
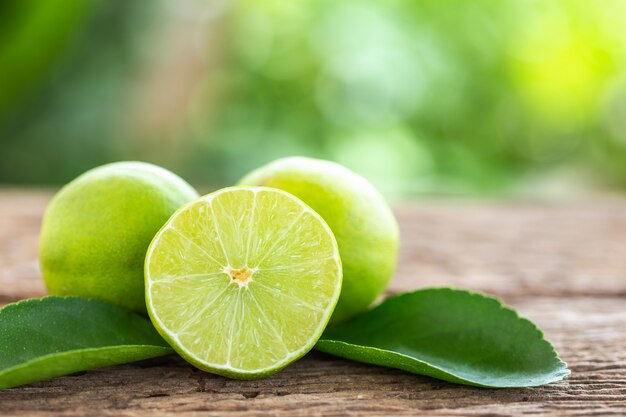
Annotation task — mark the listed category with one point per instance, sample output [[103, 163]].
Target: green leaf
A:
[[454, 335], [52, 336]]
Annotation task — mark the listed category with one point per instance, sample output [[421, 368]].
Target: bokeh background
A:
[[482, 97]]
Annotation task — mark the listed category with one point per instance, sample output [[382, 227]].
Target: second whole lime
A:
[[362, 222]]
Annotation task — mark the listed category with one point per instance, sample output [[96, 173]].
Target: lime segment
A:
[[243, 281]]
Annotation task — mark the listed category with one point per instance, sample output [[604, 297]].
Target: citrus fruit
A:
[[97, 229], [243, 281], [361, 220]]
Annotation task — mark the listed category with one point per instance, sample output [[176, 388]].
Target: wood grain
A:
[[563, 265]]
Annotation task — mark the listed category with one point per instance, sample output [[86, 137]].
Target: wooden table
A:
[[563, 265]]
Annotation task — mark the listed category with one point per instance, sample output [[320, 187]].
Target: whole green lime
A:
[[97, 229], [362, 222]]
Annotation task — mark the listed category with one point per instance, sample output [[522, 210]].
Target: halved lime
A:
[[243, 281]]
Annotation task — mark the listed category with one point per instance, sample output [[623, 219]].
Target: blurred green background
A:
[[420, 96]]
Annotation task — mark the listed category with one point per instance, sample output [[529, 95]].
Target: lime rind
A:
[[283, 316]]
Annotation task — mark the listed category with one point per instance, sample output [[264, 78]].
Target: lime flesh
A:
[[243, 281]]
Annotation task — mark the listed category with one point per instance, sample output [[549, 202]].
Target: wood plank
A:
[[20, 220], [515, 247], [588, 331], [562, 265], [500, 248]]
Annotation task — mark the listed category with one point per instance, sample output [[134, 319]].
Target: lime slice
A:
[[243, 281]]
